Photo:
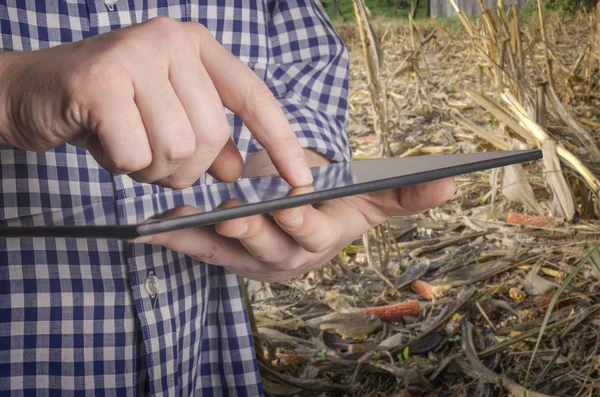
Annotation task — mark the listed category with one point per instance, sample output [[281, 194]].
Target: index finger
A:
[[245, 94]]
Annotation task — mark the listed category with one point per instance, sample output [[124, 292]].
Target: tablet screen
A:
[[131, 217]]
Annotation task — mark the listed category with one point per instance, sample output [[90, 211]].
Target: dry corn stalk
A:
[[598, 26], [498, 44], [505, 66], [580, 133], [515, 185], [515, 35], [533, 137], [562, 198], [546, 50], [554, 177], [373, 58]]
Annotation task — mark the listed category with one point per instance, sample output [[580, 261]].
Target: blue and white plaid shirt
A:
[[77, 317]]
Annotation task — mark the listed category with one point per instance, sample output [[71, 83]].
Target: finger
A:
[[249, 97], [414, 199], [214, 151], [169, 131], [201, 243], [228, 166], [424, 196], [119, 143], [261, 237], [313, 230]]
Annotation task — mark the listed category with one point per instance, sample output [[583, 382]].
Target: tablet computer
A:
[[133, 217]]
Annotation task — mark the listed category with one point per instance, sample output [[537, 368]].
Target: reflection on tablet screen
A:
[[130, 217]]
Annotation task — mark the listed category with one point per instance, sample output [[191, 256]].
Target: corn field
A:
[[495, 293]]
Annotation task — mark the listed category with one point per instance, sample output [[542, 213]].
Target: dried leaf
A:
[[348, 325], [275, 335], [428, 343], [516, 187], [595, 262], [535, 284], [562, 195], [392, 341], [470, 274], [278, 389], [411, 274]]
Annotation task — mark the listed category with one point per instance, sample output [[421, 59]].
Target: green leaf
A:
[[406, 353], [455, 338]]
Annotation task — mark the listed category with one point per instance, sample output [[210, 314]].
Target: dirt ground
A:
[[494, 293]]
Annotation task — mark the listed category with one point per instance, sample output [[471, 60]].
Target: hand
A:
[[147, 101], [296, 240]]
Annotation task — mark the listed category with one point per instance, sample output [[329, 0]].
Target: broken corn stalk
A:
[[538, 221], [425, 290], [395, 311]]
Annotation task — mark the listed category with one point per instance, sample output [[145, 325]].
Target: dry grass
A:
[[485, 285]]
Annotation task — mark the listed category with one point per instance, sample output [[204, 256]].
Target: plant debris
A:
[[452, 302]]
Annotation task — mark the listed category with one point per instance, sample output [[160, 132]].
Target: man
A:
[[104, 101]]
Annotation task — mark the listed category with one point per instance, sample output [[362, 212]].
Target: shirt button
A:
[[110, 2], [152, 285]]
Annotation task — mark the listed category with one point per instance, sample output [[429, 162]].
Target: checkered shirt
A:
[[80, 316]]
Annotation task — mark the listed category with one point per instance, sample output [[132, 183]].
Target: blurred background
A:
[[496, 292]]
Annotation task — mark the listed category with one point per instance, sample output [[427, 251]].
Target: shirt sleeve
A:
[[307, 71]]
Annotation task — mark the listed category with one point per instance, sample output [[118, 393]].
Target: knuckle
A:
[[256, 96], [129, 164], [200, 32], [327, 241], [178, 150], [164, 25], [287, 266], [269, 255], [289, 142], [169, 31], [217, 138], [320, 246], [206, 254]]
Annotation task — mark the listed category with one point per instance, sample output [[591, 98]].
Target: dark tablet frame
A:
[[128, 232]]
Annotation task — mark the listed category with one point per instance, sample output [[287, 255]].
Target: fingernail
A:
[[293, 220]]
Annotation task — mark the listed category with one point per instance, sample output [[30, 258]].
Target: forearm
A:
[[259, 163]]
